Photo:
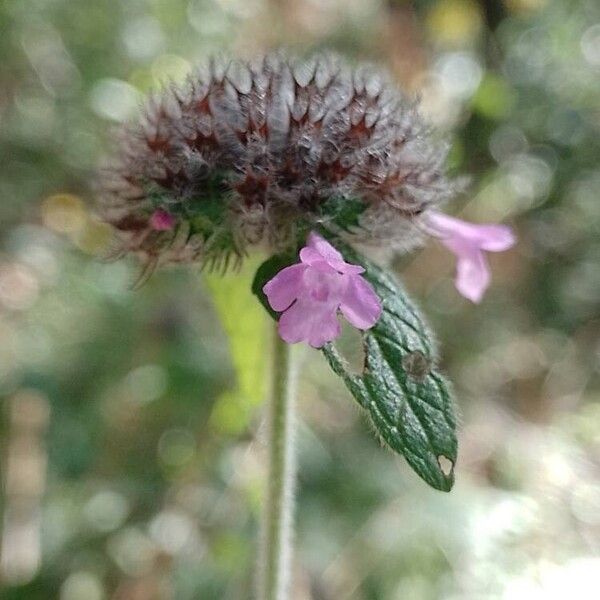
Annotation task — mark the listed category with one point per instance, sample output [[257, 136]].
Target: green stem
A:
[[275, 558]]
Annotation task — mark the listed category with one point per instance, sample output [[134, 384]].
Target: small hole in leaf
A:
[[416, 365], [446, 465], [350, 346]]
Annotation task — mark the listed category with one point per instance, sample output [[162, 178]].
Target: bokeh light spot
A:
[[114, 99], [176, 447], [64, 213], [82, 585], [454, 21]]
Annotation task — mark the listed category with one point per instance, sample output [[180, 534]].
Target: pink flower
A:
[[161, 220], [310, 293], [468, 241]]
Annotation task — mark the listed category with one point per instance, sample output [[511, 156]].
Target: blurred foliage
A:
[[243, 321], [126, 473]]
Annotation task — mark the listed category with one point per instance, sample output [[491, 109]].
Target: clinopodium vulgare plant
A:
[[315, 163]]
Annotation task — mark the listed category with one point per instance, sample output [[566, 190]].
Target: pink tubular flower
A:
[[310, 293], [468, 241], [161, 220]]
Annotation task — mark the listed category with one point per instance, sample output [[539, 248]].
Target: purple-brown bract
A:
[[246, 153]]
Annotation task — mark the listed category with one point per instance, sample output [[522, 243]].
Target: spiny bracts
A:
[[259, 152]]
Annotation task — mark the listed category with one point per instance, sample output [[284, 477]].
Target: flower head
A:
[[248, 153], [311, 292], [468, 241]]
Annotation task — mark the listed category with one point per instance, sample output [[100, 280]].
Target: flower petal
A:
[[468, 241], [344, 267], [307, 322], [323, 247], [496, 238], [472, 275], [311, 292], [311, 257], [360, 304], [445, 226], [319, 286], [488, 236], [285, 287], [162, 220], [321, 254]]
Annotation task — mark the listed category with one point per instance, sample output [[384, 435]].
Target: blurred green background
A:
[[131, 437]]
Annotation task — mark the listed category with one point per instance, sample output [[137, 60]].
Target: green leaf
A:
[[342, 212], [408, 401]]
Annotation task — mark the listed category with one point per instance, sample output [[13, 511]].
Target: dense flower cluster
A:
[[247, 153]]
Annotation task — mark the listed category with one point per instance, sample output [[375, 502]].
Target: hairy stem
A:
[[277, 528]]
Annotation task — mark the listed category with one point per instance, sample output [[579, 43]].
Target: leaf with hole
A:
[[407, 400]]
